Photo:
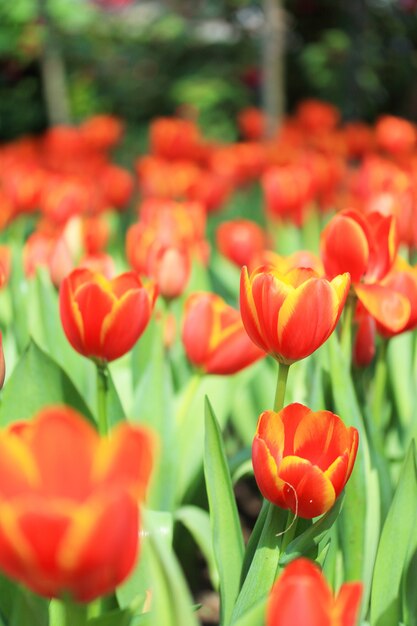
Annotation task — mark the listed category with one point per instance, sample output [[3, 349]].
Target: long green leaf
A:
[[171, 602], [197, 521], [227, 533], [393, 549]]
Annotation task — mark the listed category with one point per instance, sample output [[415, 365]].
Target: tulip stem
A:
[[188, 397], [283, 369], [102, 389], [346, 333], [289, 532], [380, 382], [74, 614]]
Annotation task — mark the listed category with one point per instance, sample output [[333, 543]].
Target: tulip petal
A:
[[63, 445], [388, 307], [307, 318], [197, 327], [300, 596], [344, 247], [291, 416], [18, 471], [308, 491], [347, 604], [271, 430], [125, 460], [94, 305], [266, 473], [321, 437], [270, 291], [100, 547], [124, 324], [249, 311]]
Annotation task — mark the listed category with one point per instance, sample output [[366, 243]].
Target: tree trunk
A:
[[54, 83], [273, 65]]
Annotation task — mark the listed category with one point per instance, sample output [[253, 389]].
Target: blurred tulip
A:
[[2, 363], [288, 191], [5, 264], [240, 240], [102, 132], [290, 315], [170, 267], [251, 122], [395, 135], [213, 336], [302, 459], [301, 596], [103, 319], [175, 138], [316, 116], [364, 343], [69, 516]]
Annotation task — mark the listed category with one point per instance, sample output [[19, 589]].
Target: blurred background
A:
[[64, 60]]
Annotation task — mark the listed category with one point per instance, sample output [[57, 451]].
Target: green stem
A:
[[187, 397], [262, 571], [102, 388], [380, 383], [289, 532], [74, 614], [283, 369], [346, 339]]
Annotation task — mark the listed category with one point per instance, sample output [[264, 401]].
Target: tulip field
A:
[[209, 374]]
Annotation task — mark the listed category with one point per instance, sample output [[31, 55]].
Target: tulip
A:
[[102, 318], [240, 240], [290, 315], [302, 459], [301, 595], [69, 516], [363, 245], [213, 336]]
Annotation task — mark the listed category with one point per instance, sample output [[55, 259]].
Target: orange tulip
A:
[[395, 135], [366, 246], [103, 319], [303, 459], [301, 595], [290, 315], [363, 245], [69, 518], [213, 336]]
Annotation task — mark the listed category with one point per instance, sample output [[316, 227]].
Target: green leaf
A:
[[171, 600], [29, 608], [227, 533], [132, 593], [190, 432], [37, 381], [398, 531], [311, 537], [153, 405], [197, 521], [255, 616], [358, 547], [264, 564]]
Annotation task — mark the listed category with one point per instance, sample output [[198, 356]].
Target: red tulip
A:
[[363, 245], [301, 596], [303, 459], [290, 315], [213, 336], [103, 319], [69, 503], [240, 240]]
